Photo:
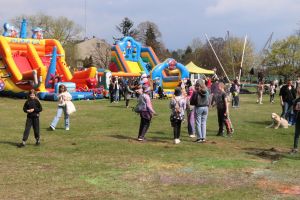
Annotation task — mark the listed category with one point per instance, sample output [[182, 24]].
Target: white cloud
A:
[[254, 8]]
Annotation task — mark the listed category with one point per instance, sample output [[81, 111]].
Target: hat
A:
[[144, 76], [177, 91]]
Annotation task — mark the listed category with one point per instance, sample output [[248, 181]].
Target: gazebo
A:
[[196, 72]]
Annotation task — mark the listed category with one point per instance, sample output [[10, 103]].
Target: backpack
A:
[[177, 109], [141, 105]]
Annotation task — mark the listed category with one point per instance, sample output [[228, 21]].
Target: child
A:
[[272, 91], [260, 91], [63, 97], [33, 108], [296, 107], [178, 105], [221, 101]]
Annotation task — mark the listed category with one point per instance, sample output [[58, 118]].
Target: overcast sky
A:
[[179, 21]]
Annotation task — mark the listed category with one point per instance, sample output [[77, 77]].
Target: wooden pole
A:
[[217, 58], [242, 58]]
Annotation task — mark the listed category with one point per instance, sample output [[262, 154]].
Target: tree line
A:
[[281, 58]]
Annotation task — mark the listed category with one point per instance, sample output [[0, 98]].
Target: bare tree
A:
[[60, 28], [102, 55]]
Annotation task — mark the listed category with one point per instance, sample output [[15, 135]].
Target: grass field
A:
[[99, 157]]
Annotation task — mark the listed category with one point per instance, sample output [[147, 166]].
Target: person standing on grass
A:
[[190, 113], [200, 99], [63, 97], [177, 106], [272, 91], [296, 107], [33, 108], [260, 92], [146, 114], [235, 91], [287, 95], [221, 101], [127, 93]]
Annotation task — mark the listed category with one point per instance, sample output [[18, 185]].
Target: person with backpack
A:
[[200, 99], [146, 111], [178, 106]]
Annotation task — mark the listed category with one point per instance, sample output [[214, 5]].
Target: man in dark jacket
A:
[[287, 96]]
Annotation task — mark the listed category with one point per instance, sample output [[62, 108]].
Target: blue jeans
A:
[[201, 114], [287, 112], [60, 110]]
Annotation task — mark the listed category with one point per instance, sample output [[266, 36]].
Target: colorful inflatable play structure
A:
[[130, 58], [37, 63]]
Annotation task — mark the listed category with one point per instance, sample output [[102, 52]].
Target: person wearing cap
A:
[[146, 114], [177, 106], [200, 99]]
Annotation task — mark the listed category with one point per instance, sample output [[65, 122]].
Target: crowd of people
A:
[[190, 101]]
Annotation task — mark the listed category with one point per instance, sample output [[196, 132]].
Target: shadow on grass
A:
[[118, 106], [148, 139], [9, 143], [271, 154]]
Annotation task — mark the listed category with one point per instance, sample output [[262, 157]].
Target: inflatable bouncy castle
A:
[[39, 64], [130, 58]]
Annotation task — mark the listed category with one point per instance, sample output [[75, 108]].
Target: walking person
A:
[[177, 106], [146, 113], [260, 91], [33, 108], [63, 97], [200, 99], [272, 91]]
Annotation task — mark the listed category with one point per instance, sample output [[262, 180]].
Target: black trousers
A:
[[35, 123], [221, 120], [144, 126], [127, 102], [176, 128]]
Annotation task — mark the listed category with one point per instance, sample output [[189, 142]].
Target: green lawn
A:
[[99, 157]]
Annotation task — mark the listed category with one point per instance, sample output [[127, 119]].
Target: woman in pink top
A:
[[147, 114]]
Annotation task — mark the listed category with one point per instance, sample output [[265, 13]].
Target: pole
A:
[[242, 58], [217, 58]]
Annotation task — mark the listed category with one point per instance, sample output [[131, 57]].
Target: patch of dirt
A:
[[279, 187], [272, 154]]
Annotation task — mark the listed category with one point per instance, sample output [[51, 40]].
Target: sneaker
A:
[[67, 128], [52, 128], [22, 144], [203, 140], [198, 140], [37, 143], [192, 136], [140, 139], [177, 141], [293, 151], [220, 134]]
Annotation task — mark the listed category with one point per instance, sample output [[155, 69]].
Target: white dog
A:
[[278, 121]]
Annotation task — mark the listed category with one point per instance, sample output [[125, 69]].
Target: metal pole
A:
[[217, 58], [242, 58]]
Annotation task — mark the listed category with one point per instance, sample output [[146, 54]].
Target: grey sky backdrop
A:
[[179, 21]]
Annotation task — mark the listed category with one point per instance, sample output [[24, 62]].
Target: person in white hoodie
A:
[[178, 106], [63, 97]]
